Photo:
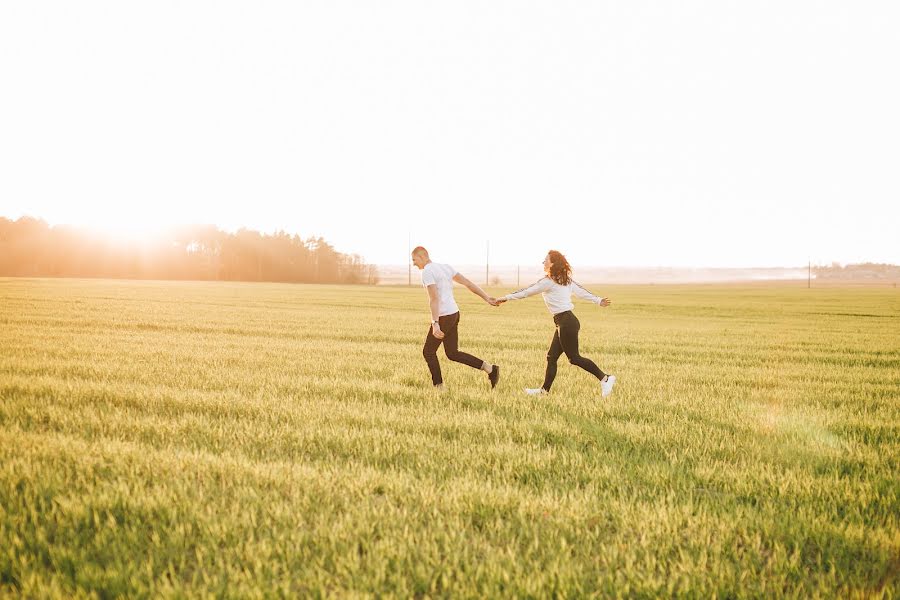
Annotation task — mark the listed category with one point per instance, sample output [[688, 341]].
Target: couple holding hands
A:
[[557, 287]]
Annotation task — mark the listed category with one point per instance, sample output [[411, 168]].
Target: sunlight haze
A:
[[711, 134]]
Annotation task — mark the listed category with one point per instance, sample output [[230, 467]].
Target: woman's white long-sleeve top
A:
[[558, 298]]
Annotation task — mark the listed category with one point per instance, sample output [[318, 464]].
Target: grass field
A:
[[230, 439]]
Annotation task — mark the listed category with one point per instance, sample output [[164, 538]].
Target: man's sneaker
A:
[[535, 391], [494, 376], [607, 386]]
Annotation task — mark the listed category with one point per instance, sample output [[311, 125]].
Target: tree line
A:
[[30, 247], [857, 271]]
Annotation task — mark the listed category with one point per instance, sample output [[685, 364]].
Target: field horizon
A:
[[260, 439]]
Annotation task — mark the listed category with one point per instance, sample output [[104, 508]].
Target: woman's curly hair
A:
[[560, 270]]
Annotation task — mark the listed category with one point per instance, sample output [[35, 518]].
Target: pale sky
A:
[[621, 133]]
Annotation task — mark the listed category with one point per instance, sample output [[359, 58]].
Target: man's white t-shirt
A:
[[441, 276]]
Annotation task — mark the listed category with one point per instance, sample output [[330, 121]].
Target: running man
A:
[[438, 280]]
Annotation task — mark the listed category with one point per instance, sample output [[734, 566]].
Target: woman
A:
[[557, 288]]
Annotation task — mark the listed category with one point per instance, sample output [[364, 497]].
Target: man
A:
[[438, 280]]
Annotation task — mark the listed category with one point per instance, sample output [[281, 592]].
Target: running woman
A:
[[438, 280], [557, 288]]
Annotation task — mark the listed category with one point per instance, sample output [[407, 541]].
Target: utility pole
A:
[[409, 259], [518, 276], [487, 264], [809, 273]]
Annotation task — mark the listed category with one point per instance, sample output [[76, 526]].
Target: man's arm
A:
[[473, 287], [434, 305]]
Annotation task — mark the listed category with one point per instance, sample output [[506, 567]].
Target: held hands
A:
[[604, 302], [495, 301]]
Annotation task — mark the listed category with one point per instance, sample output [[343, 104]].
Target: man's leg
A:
[[451, 343], [553, 355], [429, 351]]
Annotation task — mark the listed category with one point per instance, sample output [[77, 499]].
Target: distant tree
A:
[[372, 276], [861, 271], [326, 260]]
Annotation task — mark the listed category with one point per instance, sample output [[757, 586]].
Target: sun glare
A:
[[128, 230]]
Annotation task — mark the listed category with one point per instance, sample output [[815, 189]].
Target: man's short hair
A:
[[420, 250]]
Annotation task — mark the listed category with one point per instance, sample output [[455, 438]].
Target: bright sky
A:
[[682, 133]]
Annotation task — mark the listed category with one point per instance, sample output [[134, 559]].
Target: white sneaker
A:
[[535, 391], [607, 386]]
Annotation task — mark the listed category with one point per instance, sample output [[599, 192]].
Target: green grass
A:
[[226, 439]]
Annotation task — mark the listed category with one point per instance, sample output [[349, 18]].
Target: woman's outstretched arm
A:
[[586, 295], [541, 285]]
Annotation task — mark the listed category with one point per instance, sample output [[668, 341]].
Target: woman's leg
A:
[[568, 337], [553, 355]]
